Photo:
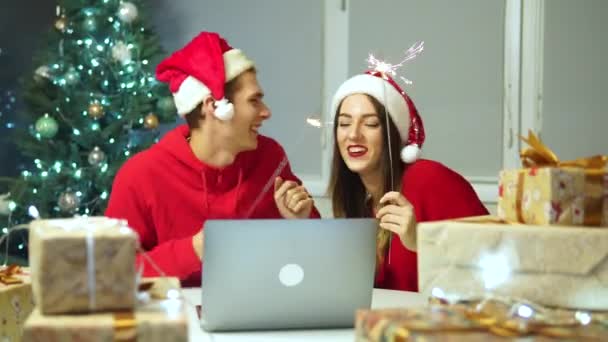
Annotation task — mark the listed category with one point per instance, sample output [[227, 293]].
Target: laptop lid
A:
[[282, 274]]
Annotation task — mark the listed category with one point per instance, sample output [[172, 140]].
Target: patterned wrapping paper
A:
[[424, 324], [156, 320], [91, 259], [556, 266], [549, 191], [554, 196], [475, 320], [16, 302]]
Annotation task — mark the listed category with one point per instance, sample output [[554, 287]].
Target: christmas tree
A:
[[92, 101]]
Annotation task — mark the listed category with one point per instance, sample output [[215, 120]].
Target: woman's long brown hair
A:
[[348, 195]]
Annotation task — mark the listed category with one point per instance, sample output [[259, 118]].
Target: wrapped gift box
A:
[[420, 324], [156, 320], [159, 321], [554, 196], [552, 265], [16, 302], [549, 191], [474, 321], [83, 264]]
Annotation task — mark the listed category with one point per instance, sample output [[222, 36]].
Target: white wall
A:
[[285, 39], [459, 81], [575, 115]]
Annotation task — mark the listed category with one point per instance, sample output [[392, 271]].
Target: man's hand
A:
[[292, 200], [397, 215]]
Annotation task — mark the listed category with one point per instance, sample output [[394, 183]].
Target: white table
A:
[[380, 299]]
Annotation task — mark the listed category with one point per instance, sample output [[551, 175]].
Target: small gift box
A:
[[552, 192], [16, 301], [83, 264]]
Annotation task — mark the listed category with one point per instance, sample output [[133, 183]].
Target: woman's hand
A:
[[397, 215]]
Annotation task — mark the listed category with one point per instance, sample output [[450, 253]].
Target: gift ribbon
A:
[[7, 275], [125, 327], [519, 195], [90, 241], [125, 323], [539, 155]]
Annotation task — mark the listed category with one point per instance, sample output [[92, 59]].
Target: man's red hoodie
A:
[[166, 194]]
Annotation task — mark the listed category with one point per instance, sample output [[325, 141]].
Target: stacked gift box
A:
[[85, 286], [541, 263], [16, 302]]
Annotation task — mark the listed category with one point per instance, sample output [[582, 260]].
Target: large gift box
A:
[[160, 318], [82, 264], [549, 191], [481, 319], [552, 265], [16, 301], [419, 324]]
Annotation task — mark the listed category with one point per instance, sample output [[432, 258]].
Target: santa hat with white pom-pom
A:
[[399, 106], [201, 69]]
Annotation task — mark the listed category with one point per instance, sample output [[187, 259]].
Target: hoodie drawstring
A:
[[205, 192], [235, 204], [238, 192]]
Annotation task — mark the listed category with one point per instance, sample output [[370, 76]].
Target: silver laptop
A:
[[286, 274]]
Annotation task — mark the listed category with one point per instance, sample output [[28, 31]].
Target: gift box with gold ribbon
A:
[[548, 191], [160, 317], [479, 319], [16, 301], [82, 264], [556, 266]]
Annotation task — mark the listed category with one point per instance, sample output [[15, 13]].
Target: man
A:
[[216, 167]]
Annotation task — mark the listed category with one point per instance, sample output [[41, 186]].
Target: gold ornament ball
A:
[[151, 121], [68, 202], [96, 110], [96, 156], [61, 24]]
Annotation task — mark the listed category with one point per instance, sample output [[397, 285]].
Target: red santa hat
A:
[[399, 106], [200, 69]]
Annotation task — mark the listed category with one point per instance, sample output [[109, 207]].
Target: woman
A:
[[373, 119]]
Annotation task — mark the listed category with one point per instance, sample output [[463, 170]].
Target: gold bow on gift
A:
[[539, 155], [125, 323], [7, 275]]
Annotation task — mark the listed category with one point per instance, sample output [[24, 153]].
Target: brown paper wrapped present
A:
[[549, 191], [551, 265], [16, 302], [158, 319], [83, 264]]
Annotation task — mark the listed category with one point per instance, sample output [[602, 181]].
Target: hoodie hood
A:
[[175, 145], [214, 182]]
